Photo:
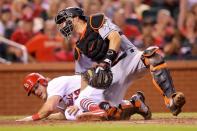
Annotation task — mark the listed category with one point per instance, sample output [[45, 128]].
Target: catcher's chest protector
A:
[[91, 43]]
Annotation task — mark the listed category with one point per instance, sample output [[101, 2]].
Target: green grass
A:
[[104, 126], [169, 115], [10, 117], [101, 127]]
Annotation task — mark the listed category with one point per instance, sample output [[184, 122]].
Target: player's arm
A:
[[111, 32], [114, 46], [49, 106], [114, 40], [56, 116]]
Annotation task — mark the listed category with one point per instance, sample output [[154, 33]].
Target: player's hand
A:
[[29, 118], [72, 110], [102, 66]]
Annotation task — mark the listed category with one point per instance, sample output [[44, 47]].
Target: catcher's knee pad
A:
[[161, 75]]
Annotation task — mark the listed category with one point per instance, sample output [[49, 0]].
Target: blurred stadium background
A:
[[30, 42]]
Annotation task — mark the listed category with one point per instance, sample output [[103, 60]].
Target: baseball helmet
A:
[[63, 19], [32, 79]]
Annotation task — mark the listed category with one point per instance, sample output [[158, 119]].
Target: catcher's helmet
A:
[[64, 22], [32, 79]]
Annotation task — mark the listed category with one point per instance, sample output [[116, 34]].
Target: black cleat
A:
[[141, 108], [177, 102]]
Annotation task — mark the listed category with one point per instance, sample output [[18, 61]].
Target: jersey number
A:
[[72, 97]]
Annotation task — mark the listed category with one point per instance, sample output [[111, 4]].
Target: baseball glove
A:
[[98, 77]]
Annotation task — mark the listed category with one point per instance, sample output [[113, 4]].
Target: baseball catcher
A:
[[103, 46]]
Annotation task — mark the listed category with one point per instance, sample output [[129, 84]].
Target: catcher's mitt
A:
[[98, 78]]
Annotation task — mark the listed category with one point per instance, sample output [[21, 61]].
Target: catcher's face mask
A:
[[64, 24]]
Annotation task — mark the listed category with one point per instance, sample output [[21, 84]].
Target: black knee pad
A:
[[156, 60]]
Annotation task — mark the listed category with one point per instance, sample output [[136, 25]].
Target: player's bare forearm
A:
[[49, 106], [56, 116], [115, 40], [37, 116], [42, 115]]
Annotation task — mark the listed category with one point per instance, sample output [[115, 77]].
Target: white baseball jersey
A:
[[67, 87]]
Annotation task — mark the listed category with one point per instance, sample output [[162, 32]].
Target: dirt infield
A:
[[162, 121]]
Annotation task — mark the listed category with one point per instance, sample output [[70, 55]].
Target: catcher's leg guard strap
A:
[[161, 75]]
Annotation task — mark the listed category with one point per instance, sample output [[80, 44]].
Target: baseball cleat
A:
[[141, 108], [97, 115], [176, 103]]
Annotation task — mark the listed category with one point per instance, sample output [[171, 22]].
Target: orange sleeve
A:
[[33, 44]]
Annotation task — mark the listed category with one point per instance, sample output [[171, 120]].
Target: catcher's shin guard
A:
[[162, 79]]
